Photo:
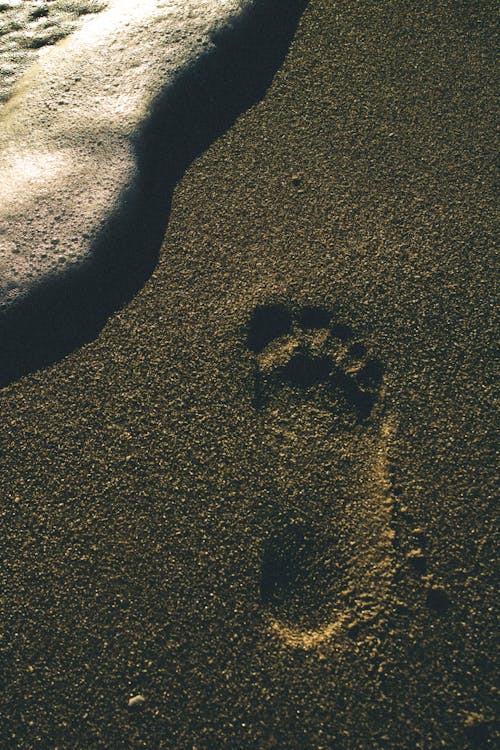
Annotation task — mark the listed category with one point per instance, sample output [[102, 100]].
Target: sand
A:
[[262, 498]]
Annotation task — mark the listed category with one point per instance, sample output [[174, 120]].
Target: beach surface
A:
[[257, 511]]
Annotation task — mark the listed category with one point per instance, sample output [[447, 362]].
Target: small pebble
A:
[[136, 701]]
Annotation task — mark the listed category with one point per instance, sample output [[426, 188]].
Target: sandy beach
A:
[[258, 510]]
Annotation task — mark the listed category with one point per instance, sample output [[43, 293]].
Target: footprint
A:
[[319, 393], [312, 352], [300, 565]]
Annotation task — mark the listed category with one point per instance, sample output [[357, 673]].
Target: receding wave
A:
[[92, 142]]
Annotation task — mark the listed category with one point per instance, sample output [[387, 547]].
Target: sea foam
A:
[[91, 143], [29, 27]]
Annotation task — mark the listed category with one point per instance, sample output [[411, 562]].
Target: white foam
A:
[[66, 135], [29, 27]]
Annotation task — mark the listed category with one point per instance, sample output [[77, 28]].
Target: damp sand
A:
[[201, 508]]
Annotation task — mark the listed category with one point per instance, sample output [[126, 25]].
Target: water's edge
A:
[[67, 310]]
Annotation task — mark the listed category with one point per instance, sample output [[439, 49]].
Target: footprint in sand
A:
[[319, 393]]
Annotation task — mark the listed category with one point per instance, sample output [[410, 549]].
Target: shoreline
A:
[[78, 239]]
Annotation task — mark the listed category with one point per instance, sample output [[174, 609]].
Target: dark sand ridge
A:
[[201, 514]]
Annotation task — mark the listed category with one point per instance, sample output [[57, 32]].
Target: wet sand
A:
[[262, 499]]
